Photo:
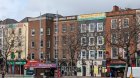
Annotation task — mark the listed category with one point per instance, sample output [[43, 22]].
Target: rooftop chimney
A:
[[115, 8]]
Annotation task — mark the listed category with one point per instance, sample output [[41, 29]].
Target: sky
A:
[[19, 9]]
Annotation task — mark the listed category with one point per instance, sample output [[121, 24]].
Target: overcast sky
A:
[[18, 9]]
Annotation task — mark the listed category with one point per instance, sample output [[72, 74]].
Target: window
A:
[[32, 56], [83, 53], [126, 36], [0, 42], [55, 54], [19, 44], [41, 55], [113, 23], [64, 28], [83, 28], [56, 40], [64, 53], [92, 27], [41, 31], [91, 54], [100, 40], [114, 52], [19, 31], [41, 43], [48, 31], [19, 55], [99, 27], [33, 32], [64, 40], [56, 29], [48, 44], [13, 31], [114, 38], [126, 22], [83, 40], [32, 44], [72, 27], [1, 32], [91, 41], [100, 54]]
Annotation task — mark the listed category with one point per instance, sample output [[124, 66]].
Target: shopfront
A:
[[16, 66]]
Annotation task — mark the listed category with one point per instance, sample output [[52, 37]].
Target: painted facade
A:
[[92, 52]]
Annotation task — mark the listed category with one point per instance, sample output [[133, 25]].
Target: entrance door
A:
[[84, 70]]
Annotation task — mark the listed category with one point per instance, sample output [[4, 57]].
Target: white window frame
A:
[[98, 30], [32, 43], [42, 44], [32, 30], [112, 24], [48, 31], [90, 51], [98, 40], [48, 43], [93, 41], [72, 27], [41, 31], [112, 53], [64, 28], [55, 53], [98, 54], [92, 24], [55, 28], [123, 23], [41, 53], [115, 41], [82, 41], [83, 57], [83, 25], [31, 56]]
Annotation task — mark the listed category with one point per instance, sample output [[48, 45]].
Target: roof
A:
[[50, 15], [9, 21], [26, 19]]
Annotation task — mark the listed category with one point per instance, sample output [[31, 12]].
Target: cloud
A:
[[19, 9]]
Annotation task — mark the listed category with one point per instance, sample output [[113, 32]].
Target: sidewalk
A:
[[17, 76]]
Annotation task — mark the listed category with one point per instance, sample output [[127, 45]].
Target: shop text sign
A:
[[91, 16]]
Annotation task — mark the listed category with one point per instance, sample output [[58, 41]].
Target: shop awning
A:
[[37, 64], [31, 63], [117, 65], [46, 65]]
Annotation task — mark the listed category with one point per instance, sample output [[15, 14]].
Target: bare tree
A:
[[11, 41], [71, 41], [124, 37]]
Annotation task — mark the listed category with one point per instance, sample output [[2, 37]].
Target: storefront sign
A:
[[16, 63], [67, 18], [91, 16], [46, 66]]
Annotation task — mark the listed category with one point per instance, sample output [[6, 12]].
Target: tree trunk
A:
[[125, 71]]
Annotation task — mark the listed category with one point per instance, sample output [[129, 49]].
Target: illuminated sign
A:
[[91, 16]]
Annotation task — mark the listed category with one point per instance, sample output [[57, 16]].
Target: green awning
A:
[[117, 65]]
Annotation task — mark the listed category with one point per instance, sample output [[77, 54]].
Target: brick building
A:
[[66, 27], [119, 23], [40, 37]]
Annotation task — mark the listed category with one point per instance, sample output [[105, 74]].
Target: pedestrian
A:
[[2, 74], [75, 73]]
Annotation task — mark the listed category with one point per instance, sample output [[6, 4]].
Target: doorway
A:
[[84, 70]]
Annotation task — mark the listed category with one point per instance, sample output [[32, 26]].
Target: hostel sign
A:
[[91, 16]]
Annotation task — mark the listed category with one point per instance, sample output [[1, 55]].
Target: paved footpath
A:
[[28, 76]]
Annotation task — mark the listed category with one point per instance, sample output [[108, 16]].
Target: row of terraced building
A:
[[78, 44]]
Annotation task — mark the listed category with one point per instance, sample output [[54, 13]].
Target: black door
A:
[[84, 70]]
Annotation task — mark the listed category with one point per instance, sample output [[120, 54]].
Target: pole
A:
[[56, 41], [40, 37]]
